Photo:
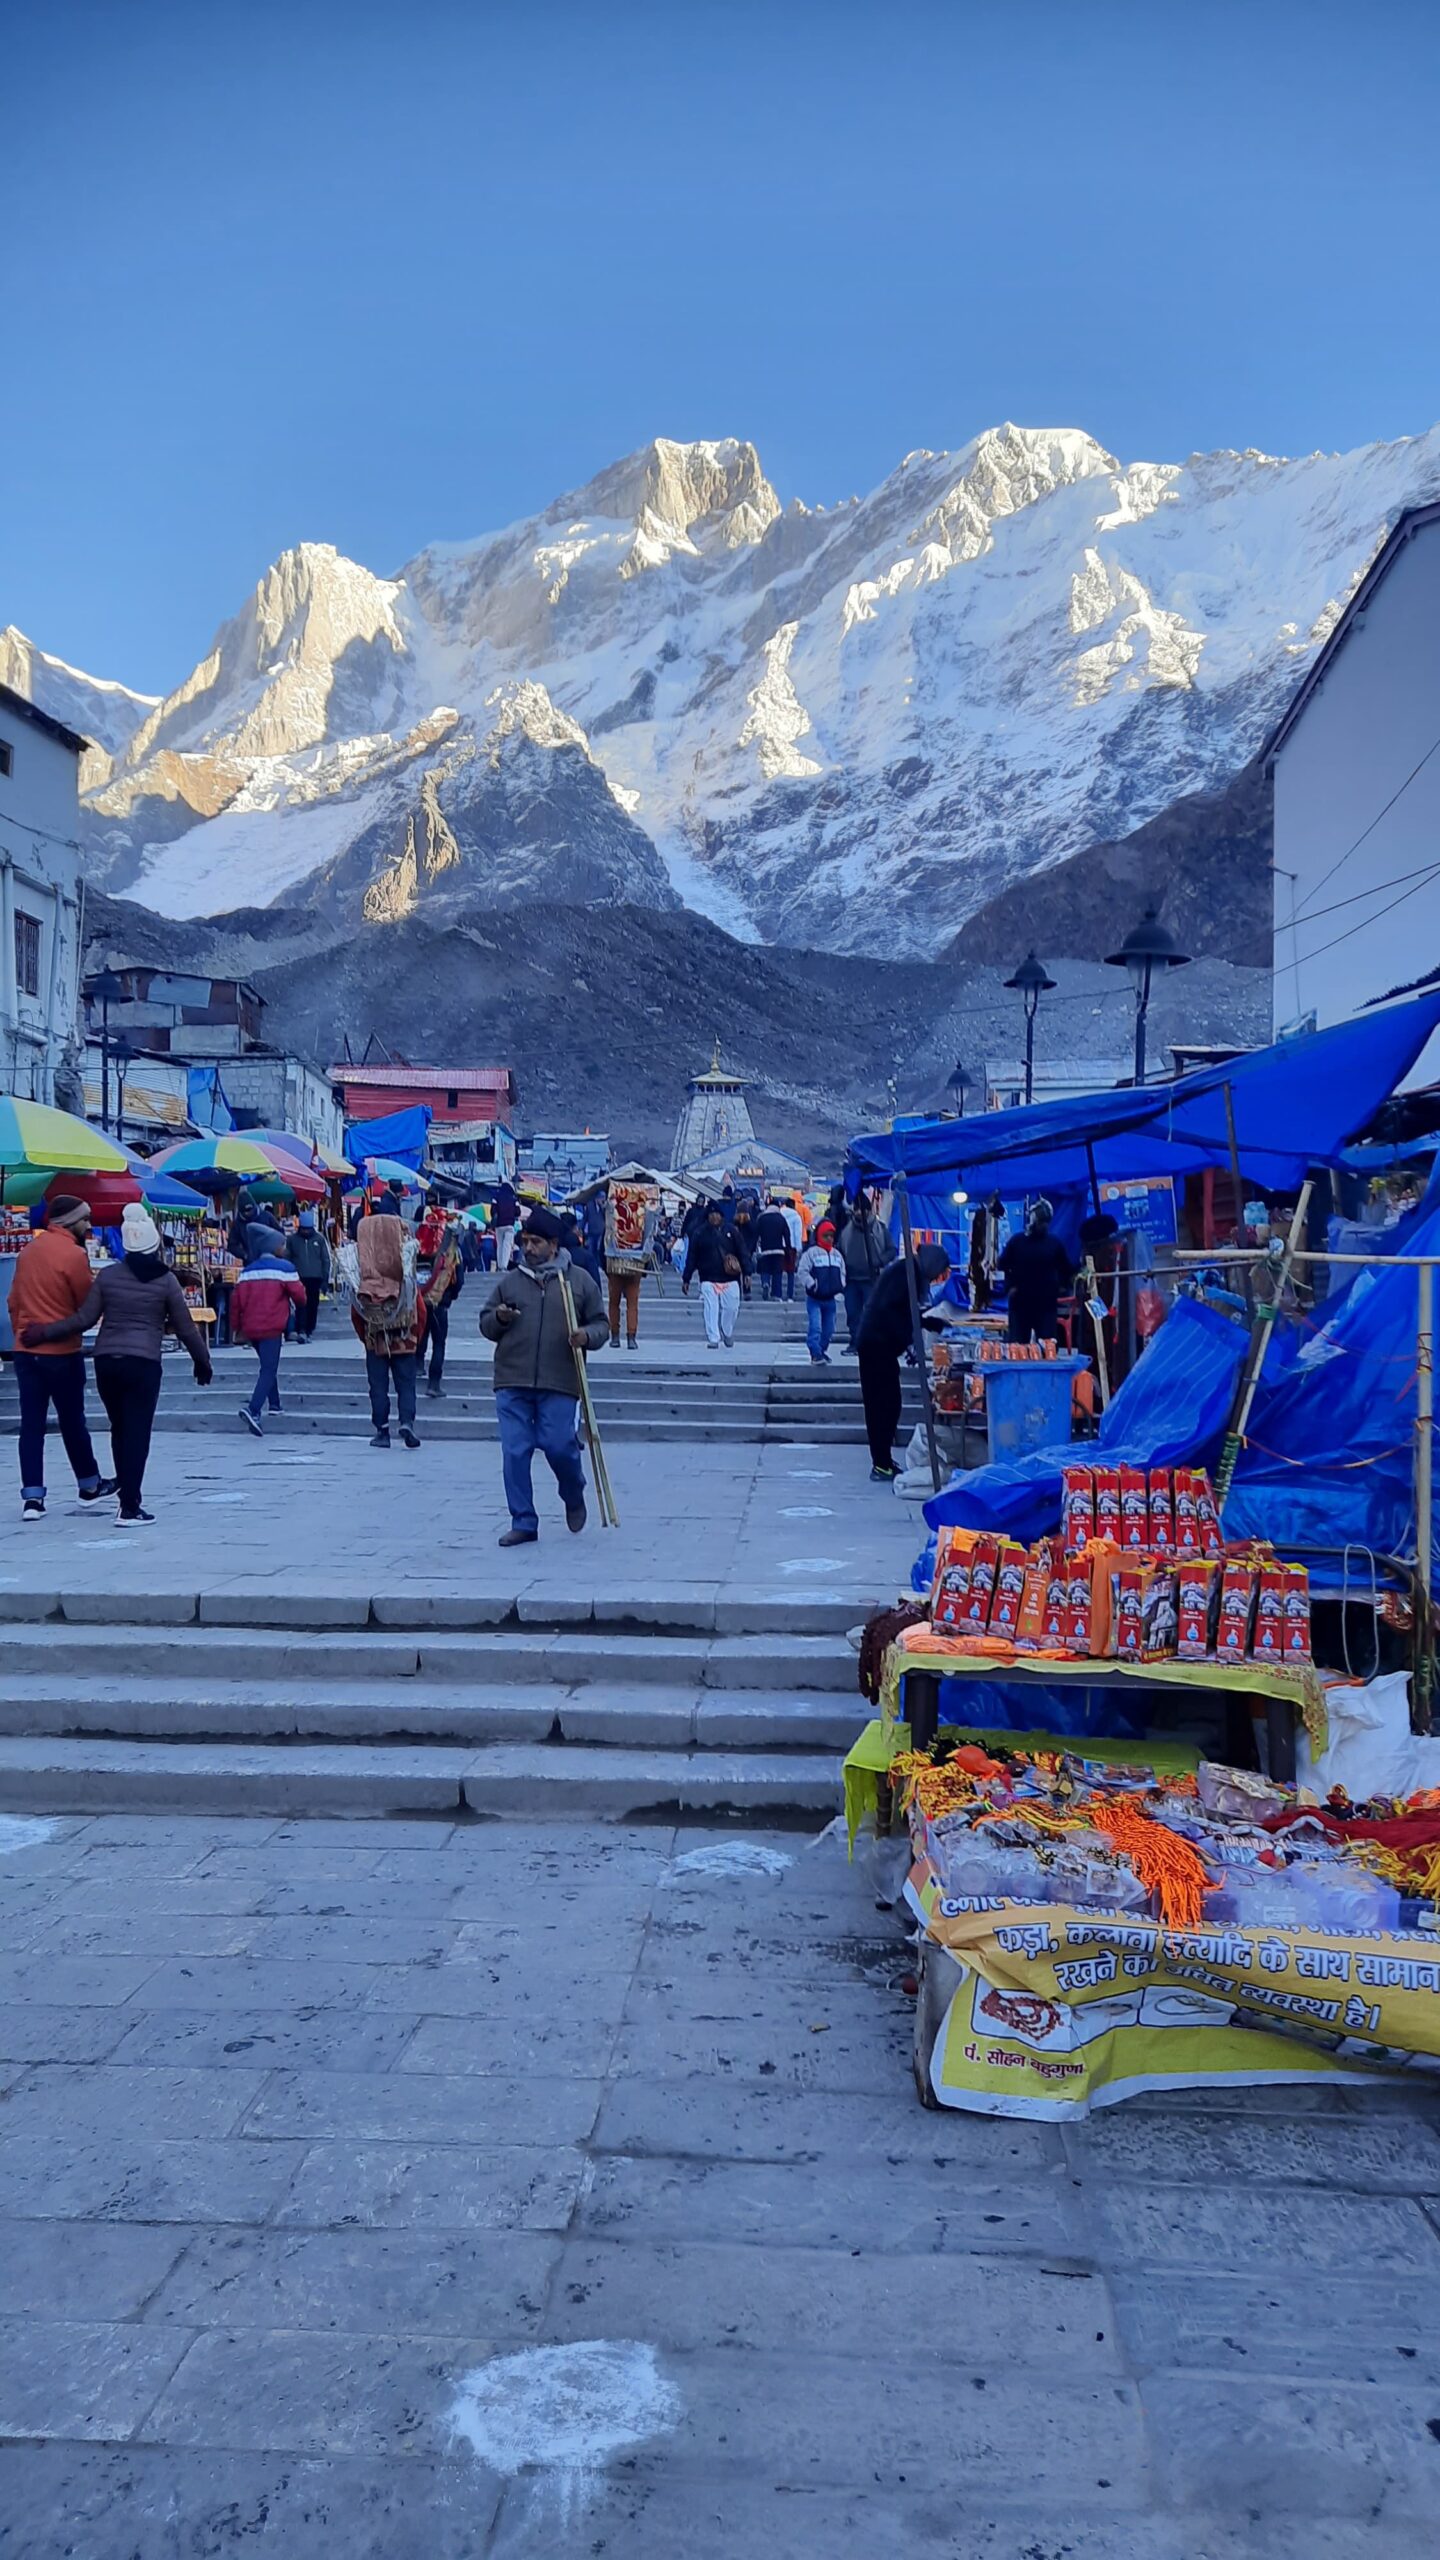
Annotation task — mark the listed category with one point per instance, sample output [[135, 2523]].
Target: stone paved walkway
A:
[[337, 1516], [307, 2134]]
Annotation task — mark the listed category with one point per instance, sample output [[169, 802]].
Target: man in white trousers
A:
[[719, 1261]]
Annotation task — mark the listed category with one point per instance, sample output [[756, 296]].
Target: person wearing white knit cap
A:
[[137, 1301]]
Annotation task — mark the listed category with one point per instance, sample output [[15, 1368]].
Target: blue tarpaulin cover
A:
[[1171, 1411], [1295, 1104], [401, 1135]]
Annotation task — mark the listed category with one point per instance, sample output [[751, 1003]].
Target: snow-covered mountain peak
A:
[[846, 726], [100, 709]]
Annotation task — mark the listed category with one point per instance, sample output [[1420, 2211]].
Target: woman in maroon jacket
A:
[[137, 1301], [261, 1303]]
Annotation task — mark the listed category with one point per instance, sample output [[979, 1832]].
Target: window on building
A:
[[7, 756], [452, 1101], [27, 953]]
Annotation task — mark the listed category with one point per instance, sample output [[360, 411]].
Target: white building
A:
[[39, 898], [1356, 766]]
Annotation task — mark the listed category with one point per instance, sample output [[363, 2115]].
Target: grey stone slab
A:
[[87, 1982], [33, 2031], [561, 1609], [627, 1718], [226, 2040], [90, 2379], [28, 1606], [658, 1604], [80, 2102], [913, 2201], [817, 2053], [303, 1609], [1341, 2449], [572, 2043], [148, 1933], [363, 1897], [76, 2502], [756, 1721], [287, 1938], [312, 2392], [206, 1896], [129, 2179], [83, 2270], [421, 2107], [987, 2313], [544, 1851], [1234, 2229], [493, 1988], [381, 2283], [1393, 2156], [420, 2186], [427, 1837], [141, 1608], [174, 1849], [419, 1609], [696, 2120], [203, 1833], [297, 1862], [1334, 2328], [244, 1982]]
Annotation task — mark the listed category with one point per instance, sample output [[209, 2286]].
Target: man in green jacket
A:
[[536, 1396]]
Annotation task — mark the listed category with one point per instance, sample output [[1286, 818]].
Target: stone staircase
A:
[[681, 1399], [329, 1703]]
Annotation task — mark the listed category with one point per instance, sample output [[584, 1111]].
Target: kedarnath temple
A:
[[715, 1137]]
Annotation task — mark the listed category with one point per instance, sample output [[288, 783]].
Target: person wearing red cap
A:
[[52, 1279], [821, 1274]]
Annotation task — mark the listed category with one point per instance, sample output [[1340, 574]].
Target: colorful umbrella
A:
[[238, 1161], [307, 1151], [37, 1142]]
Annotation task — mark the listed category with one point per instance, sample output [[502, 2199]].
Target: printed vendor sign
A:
[[1057, 2010]]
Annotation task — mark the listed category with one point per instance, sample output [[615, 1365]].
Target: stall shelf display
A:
[[1092, 1928]]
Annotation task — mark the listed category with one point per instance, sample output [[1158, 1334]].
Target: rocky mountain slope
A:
[[603, 1015], [850, 728]]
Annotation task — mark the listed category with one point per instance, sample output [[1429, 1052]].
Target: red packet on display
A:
[[1198, 1578], [1297, 1613], [1162, 1512], [1077, 1507], [1107, 1503], [984, 1558], [1134, 1508], [1267, 1643], [1009, 1589], [1237, 1600]]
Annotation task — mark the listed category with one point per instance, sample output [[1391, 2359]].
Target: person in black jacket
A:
[[310, 1254], [884, 1338], [1036, 1269], [719, 1260], [772, 1243]]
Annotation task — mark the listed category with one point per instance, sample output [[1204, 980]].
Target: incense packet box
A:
[[1237, 1601], [1134, 1508], [1077, 1507], [1199, 1579], [1162, 1512]]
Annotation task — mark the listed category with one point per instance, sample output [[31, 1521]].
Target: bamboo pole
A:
[[1090, 1283], [1261, 1322], [1424, 1448], [917, 1334], [609, 1516], [1235, 1175]]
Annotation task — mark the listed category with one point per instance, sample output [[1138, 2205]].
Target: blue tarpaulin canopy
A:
[[401, 1136], [1295, 1104]]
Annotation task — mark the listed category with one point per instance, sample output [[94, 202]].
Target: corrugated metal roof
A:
[[455, 1079]]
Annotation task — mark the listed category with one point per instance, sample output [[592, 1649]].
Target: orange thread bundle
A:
[[1165, 1864]]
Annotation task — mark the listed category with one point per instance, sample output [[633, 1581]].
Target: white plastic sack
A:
[[1371, 1751]]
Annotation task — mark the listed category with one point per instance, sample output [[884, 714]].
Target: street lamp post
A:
[[1032, 980], [104, 990], [955, 1083], [1147, 949], [124, 1052]]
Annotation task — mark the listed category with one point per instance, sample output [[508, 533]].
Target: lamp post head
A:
[[1032, 980], [1148, 946], [105, 988]]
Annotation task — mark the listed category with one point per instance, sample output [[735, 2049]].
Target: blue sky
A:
[[380, 276]]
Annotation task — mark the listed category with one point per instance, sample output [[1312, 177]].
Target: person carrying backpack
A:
[[821, 1274]]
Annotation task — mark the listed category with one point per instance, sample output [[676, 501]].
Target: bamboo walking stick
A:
[[1261, 1323], [609, 1516]]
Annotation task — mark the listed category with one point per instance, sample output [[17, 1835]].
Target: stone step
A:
[[356, 1425], [694, 1609], [562, 1782], [598, 1714], [201, 1654]]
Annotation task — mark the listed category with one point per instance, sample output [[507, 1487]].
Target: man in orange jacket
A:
[[52, 1279]]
